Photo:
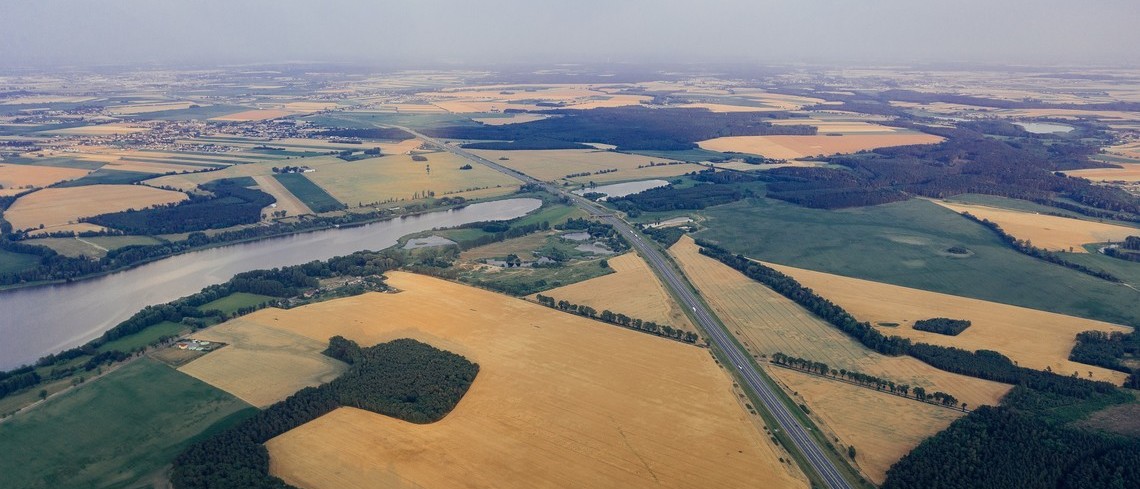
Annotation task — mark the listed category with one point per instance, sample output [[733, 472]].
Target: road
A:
[[718, 336]]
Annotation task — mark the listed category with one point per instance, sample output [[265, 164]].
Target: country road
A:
[[718, 335]]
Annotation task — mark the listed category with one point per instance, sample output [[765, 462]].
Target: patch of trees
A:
[[667, 236], [669, 198], [984, 364], [865, 380], [229, 204], [388, 133], [630, 128], [597, 231], [500, 231], [530, 143], [1108, 350], [404, 379], [619, 319], [1027, 248], [466, 167], [825, 188], [290, 169], [946, 326]]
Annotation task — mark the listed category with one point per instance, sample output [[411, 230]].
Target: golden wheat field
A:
[[882, 427], [262, 364], [1128, 172], [633, 289], [999, 327], [398, 177], [551, 165], [789, 147], [766, 322], [1044, 231], [559, 401], [19, 176], [56, 207]]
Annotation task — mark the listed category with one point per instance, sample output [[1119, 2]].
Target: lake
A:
[[1043, 127], [623, 189]]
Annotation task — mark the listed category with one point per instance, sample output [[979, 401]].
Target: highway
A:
[[718, 336]]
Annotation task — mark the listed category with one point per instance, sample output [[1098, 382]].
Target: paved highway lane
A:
[[718, 336]]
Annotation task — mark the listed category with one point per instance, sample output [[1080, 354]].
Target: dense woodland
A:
[[670, 198], [946, 326], [631, 128], [984, 364], [967, 162], [229, 203], [404, 379]]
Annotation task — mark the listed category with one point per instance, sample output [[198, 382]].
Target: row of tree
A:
[[1026, 247], [985, 364], [619, 319], [867, 380]]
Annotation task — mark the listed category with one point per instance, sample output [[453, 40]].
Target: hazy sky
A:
[[439, 32]]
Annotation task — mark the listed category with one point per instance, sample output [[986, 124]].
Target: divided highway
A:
[[718, 336]]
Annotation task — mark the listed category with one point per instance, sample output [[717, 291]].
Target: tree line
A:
[[619, 319], [1026, 247], [404, 379], [867, 380], [984, 364]]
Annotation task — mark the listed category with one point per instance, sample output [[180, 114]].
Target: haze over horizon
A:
[[447, 33]]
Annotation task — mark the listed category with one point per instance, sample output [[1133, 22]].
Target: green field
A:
[[237, 300], [551, 213], [143, 338], [904, 244], [15, 262], [61, 162], [115, 432], [526, 281], [312, 195], [365, 120], [107, 177], [75, 247]]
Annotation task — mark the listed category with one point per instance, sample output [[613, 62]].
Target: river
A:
[[41, 320]]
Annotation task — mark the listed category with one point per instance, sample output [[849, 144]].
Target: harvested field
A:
[[398, 177], [15, 176], [552, 165], [559, 401], [261, 364], [309, 106], [999, 327], [766, 323], [286, 201], [789, 147], [1044, 231], [882, 427], [1129, 172], [56, 207], [632, 290], [254, 115]]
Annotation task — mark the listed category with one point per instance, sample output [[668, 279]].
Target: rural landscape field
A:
[[729, 245]]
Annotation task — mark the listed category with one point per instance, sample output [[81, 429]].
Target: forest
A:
[[966, 162], [403, 378], [631, 128], [671, 198], [230, 203]]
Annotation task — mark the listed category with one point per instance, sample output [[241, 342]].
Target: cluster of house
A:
[[195, 345]]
